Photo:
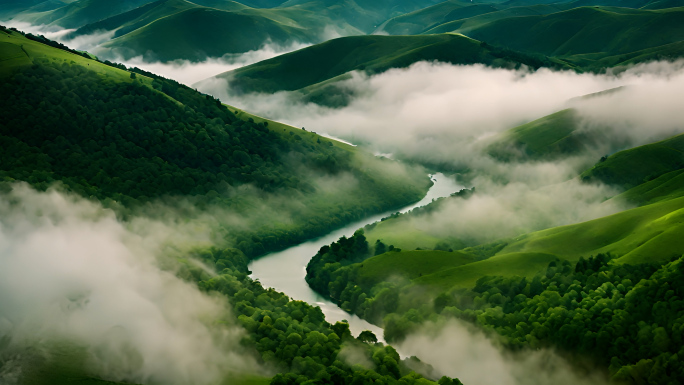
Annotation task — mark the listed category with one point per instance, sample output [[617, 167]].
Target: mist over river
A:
[[285, 270]]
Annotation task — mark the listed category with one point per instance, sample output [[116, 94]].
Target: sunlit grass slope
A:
[[650, 233], [411, 264], [17, 51]]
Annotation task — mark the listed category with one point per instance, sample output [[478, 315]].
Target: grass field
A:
[[507, 265], [649, 233], [411, 264]]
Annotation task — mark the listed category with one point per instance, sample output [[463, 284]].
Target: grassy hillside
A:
[[649, 233], [373, 54], [129, 21], [584, 30], [550, 136], [410, 264], [366, 15], [468, 23], [427, 18], [198, 33], [632, 167], [78, 13]]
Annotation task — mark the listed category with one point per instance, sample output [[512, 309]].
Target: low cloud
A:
[[458, 351], [183, 71], [445, 114], [189, 73], [72, 272]]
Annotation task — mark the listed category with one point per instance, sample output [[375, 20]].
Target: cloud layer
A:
[[457, 351], [72, 272]]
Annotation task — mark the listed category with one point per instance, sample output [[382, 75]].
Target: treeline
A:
[[293, 336], [334, 273], [629, 319]]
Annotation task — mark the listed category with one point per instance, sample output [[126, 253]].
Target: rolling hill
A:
[[77, 13], [198, 33], [366, 15], [331, 60], [603, 31]]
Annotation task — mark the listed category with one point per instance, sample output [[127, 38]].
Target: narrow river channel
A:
[[285, 270]]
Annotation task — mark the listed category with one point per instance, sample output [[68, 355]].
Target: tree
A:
[[380, 248], [367, 336]]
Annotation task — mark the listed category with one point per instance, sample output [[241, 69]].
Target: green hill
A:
[[550, 136], [632, 167], [372, 54], [424, 19], [78, 13], [599, 30], [131, 139], [467, 24], [129, 21], [366, 15], [198, 33]]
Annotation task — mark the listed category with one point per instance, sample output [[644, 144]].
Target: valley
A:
[[346, 192]]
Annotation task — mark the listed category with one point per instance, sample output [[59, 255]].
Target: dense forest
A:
[[628, 318], [294, 337], [145, 139]]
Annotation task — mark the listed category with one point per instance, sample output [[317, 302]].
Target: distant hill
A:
[[603, 31], [197, 33], [77, 13], [366, 15], [312, 66], [167, 30]]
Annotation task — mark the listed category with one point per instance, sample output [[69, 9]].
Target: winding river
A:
[[285, 270]]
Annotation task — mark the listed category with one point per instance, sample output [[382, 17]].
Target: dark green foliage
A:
[[293, 335], [125, 141], [126, 144], [626, 318], [367, 336]]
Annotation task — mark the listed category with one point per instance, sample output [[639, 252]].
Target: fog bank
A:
[[72, 272]]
